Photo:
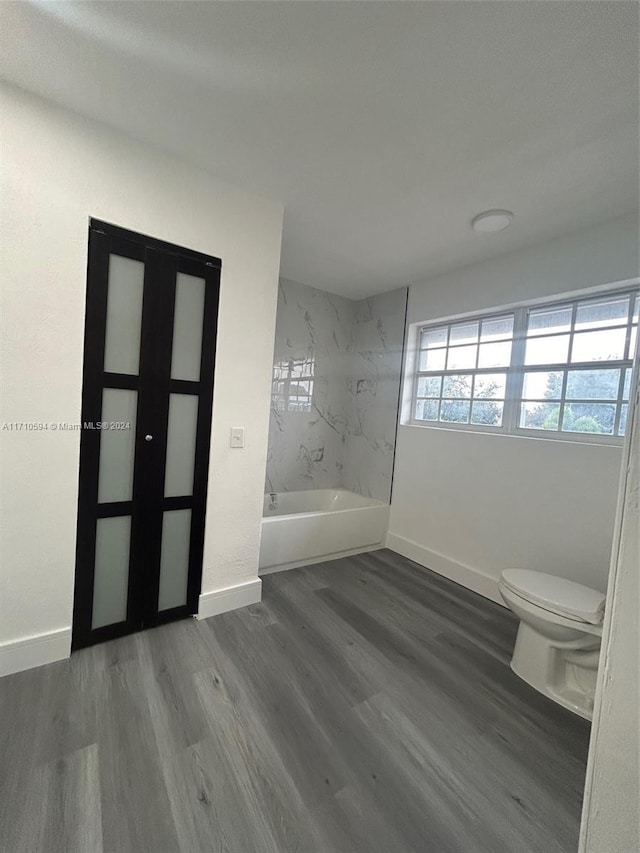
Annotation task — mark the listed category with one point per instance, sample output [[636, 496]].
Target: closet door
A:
[[150, 326]]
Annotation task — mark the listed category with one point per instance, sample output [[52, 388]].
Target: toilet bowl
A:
[[558, 644]]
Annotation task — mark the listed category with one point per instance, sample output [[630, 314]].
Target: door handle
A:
[[148, 438]]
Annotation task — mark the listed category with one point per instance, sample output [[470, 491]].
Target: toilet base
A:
[[564, 671]]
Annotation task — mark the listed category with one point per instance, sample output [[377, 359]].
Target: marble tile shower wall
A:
[[374, 386], [309, 395], [336, 380]]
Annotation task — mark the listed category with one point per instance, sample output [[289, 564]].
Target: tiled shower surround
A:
[[336, 381]]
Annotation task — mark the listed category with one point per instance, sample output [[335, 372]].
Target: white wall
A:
[[611, 810], [58, 170], [587, 258], [470, 504]]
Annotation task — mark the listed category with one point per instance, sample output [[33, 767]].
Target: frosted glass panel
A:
[[174, 563], [124, 315], [181, 445], [117, 445], [111, 578], [187, 328]]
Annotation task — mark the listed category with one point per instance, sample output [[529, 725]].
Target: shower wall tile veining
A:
[[309, 396], [336, 380]]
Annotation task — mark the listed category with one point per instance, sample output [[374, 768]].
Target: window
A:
[[462, 371], [562, 368], [293, 385]]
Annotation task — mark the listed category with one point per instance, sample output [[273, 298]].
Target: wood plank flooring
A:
[[365, 706]]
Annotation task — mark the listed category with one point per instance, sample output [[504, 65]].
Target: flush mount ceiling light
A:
[[492, 220]]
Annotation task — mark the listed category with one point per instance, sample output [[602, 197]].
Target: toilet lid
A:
[[558, 595]]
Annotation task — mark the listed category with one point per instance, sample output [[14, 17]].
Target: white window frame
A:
[[472, 371], [516, 370]]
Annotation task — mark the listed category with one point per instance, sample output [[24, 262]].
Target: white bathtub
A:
[[320, 524]]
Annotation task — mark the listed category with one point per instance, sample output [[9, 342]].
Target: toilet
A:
[[558, 644]]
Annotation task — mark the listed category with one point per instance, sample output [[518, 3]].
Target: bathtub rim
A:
[[372, 503], [316, 512]]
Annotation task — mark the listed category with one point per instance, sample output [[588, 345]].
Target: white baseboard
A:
[[473, 579], [38, 650], [283, 567], [230, 598]]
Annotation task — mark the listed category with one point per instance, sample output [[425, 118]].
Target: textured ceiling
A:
[[382, 126]]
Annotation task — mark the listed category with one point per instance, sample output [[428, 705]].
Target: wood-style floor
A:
[[365, 706]]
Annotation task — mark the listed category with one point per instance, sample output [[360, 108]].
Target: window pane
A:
[[488, 412], [427, 410], [455, 411], [432, 359], [598, 346], [546, 320], [539, 415], [457, 386], [461, 358], [433, 338], [493, 330], [622, 426], [593, 384], [465, 333], [608, 312], [626, 388], [490, 385], [632, 341], [429, 386], [547, 350], [495, 355], [542, 384], [589, 417]]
